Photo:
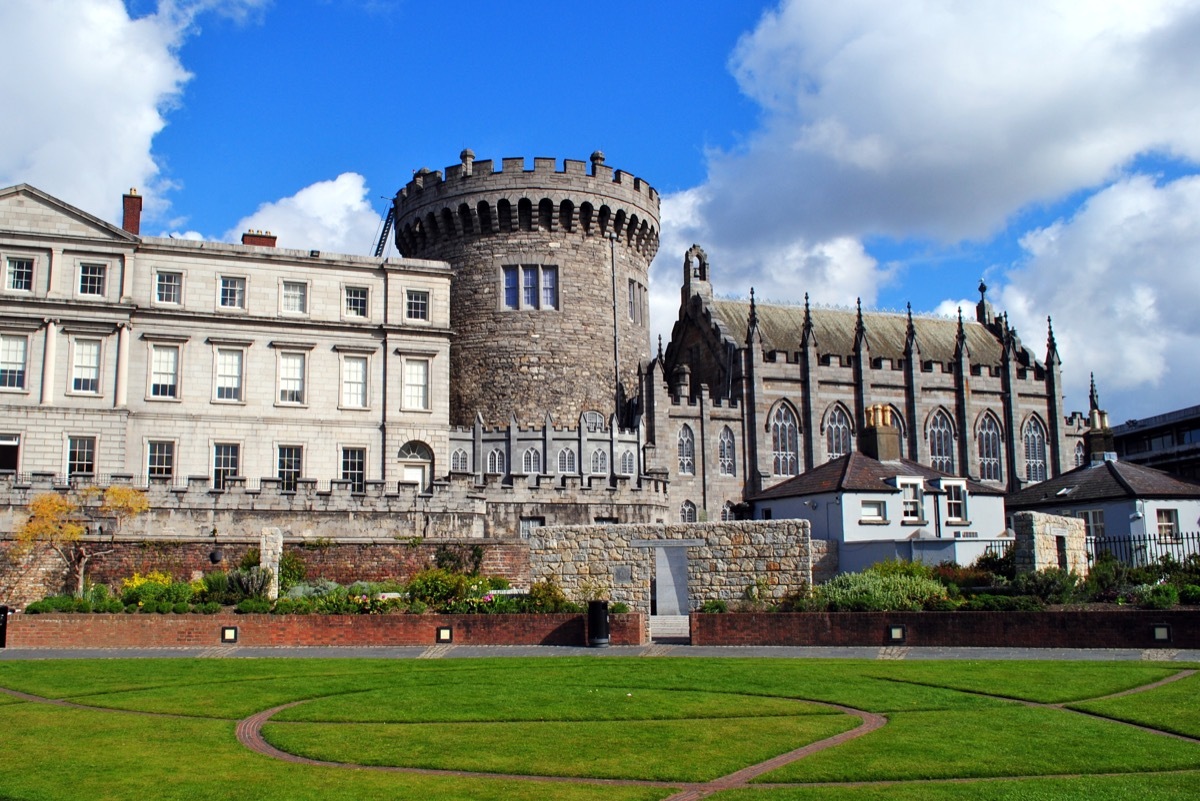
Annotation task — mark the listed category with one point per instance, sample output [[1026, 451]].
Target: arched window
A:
[[531, 462], [990, 450], [725, 453], [687, 451], [687, 512], [785, 442], [593, 421], [459, 462], [941, 443], [727, 512], [628, 463], [1080, 454], [495, 461], [566, 461], [599, 463], [1035, 450], [837, 433], [416, 463]]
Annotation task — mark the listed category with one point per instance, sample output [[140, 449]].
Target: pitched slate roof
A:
[[855, 472], [781, 328], [1102, 481]]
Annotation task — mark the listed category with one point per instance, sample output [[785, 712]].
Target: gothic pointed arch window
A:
[[1080, 454], [785, 442], [531, 461], [941, 442], [687, 451], [495, 461], [687, 512], [725, 452], [566, 461], [599, 463], [727, 512], [837, 433], [628, 463], [1035, 450], [459, 461], [991, 450]]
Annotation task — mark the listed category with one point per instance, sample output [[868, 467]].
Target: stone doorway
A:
[[670, 621]]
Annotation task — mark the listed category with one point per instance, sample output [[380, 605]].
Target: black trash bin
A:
[[4, 627], [597, 624]]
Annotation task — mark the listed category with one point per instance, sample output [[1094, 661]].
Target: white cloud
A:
[[1119, 279], [328, 215], [81, 114]]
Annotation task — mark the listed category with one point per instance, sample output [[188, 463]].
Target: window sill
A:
[[160, 399], [228, 401], [911, 522], [957, 521], [290, 405], [15, 390], [353, 408], [874, 521], [416, 411]]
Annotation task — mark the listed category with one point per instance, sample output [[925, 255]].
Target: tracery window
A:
[[1080, 454], [566, 461], [495, 461], [837, 433], [941, 442], [531, 461], [785, 442], [725, 453], [1035, 450], [687, 512], [687, 451], [459, 463], [628, 463], [599, 463], [990, 450]]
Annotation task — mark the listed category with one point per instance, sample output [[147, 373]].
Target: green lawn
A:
[[656, 720]]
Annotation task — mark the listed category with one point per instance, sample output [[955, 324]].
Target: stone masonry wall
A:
[[723, 559], [1038, 544]]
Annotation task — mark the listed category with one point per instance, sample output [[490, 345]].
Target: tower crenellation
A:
[[550, 298]]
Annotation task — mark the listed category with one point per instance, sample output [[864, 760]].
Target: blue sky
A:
[[894, 151]]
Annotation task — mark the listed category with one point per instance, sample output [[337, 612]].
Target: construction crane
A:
[[387, 229]]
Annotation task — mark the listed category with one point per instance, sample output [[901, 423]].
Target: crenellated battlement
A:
[[472, 199]]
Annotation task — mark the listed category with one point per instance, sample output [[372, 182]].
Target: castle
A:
[[496, 378]]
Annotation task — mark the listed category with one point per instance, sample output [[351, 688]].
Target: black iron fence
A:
[[1145, 549]]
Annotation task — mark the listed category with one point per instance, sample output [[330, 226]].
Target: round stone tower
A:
[[549, 304]]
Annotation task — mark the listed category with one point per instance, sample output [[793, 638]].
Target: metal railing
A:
[[1146, 549]]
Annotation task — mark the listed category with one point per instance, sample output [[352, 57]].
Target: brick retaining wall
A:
[[204, 631], [1131, 628]]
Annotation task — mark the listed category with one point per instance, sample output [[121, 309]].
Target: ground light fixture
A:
[[229, 635], [444, 635], [1161, 632], [897, 633]]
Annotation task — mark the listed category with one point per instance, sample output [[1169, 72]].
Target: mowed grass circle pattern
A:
[[624, 732]]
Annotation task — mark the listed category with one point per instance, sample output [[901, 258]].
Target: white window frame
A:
[[347, 314], [727, 452], [89, 265], [531, 461], [238, 291], [151, 445], [912, 500], [1093, 522], [496, 462], [15, 342], [567, 464], [537, 287], [9, 273], [959, 489], [873, 510], [599, 462], [688, 512], [348, 359], [153, 365], [785, 441], [159, 275], [357, 484], [687, 450], [1167, 519], [77, 368], [409, 399], [420, 301], [218, 375], [628, 462], [460, 461], [290, 291], [286, 380]]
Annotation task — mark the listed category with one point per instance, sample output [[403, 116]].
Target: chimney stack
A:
[[262, 239], [880, 440], [132, 207], [1098, 439]]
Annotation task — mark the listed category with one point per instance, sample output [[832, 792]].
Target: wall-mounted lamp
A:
[[445, 635], [216, 555], [811, 504], [229, 635]]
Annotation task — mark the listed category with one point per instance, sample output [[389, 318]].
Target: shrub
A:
[[1002, 565], [547, 597], [250, 583], [140, 589], [619, 608], [459, 558], [953, 575], [314, 589], [97, 594], [872, 591], [38, 608], [294, 606], [209, 608], [436, 587], [147, 607], [714, 606], [252, 606], [178, 592], [986, 602], [1155, 596], [1190, 595], [214, 587], [292, 570], [1051, 585], [901, 567], [250, 559], [181, 607]]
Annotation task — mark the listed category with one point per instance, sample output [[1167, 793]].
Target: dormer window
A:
[[911, 500]]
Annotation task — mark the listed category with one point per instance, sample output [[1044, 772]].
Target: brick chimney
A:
[[262, 239], [132, 207], [880, 439]]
